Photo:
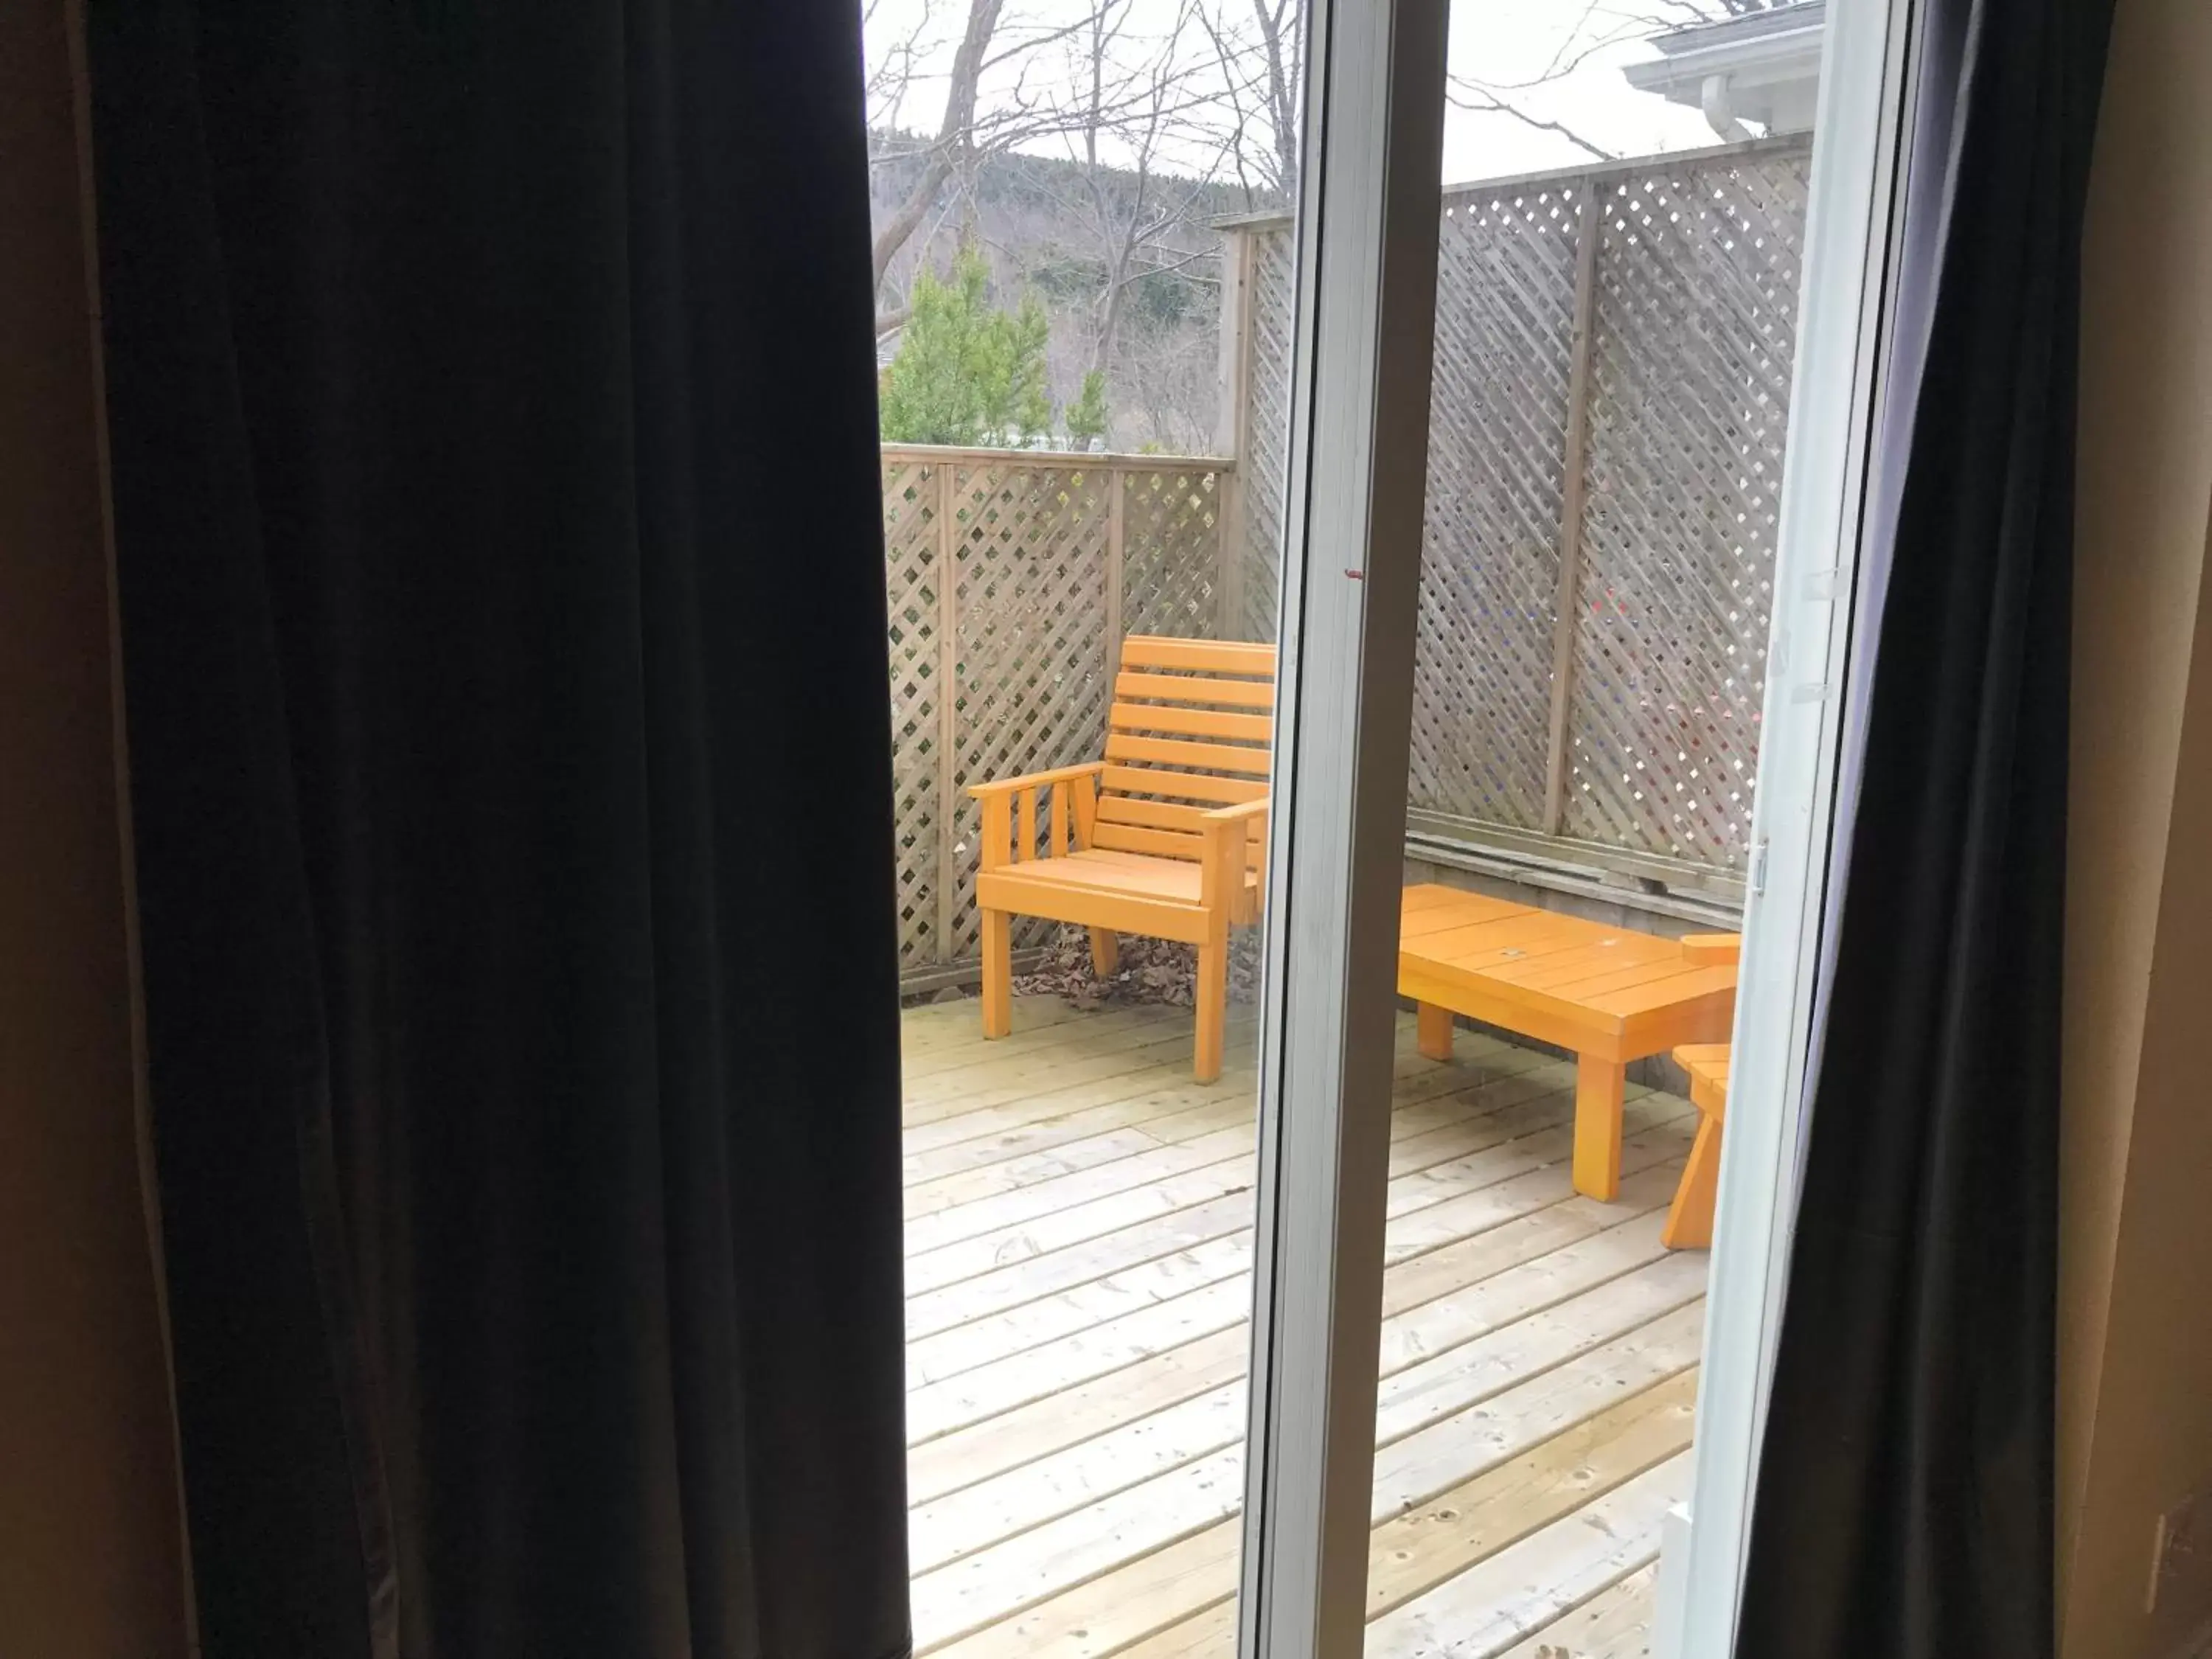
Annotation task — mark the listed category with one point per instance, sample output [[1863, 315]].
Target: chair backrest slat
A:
[[1198, 656], [1193, 688], [1179, 751], [1181, 720], [1134, 838], [1181, 786], [1153, 814], [1189, 730]]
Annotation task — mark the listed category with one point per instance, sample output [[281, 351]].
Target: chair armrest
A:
[[1010, 811], [1036, 780], [1227, 831], [1249, 809]]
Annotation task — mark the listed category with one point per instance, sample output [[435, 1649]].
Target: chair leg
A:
[[998, 973], [1690, 1217], [1212, 999], [1105, 951], [1599, 1085], [1434, 1029]]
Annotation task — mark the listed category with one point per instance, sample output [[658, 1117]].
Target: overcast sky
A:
[[1504, 42]]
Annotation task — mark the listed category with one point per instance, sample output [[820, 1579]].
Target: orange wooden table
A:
[[1610, 994]]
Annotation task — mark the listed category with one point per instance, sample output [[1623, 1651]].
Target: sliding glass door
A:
[[1369, 493]]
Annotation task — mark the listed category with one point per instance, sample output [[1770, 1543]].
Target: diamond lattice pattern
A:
[[1027, 550], [1692, 338], [1696, 333]]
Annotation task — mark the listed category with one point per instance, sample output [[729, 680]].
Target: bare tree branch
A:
[[1162, 115], [951, 133], [1281, 42], [1472, 96]]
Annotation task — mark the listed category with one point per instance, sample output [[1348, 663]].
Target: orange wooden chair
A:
[[1166, 837]]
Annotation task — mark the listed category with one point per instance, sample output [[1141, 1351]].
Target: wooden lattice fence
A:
[[1011, 577], [1612, 361]]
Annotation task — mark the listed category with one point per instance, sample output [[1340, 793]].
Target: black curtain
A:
[[1905, 1501], [491, 400]]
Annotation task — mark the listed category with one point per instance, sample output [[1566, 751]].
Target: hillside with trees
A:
[[1080, 151], [1129, 340]]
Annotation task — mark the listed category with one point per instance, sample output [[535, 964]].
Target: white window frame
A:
[[1370, 197], [1851, 229]]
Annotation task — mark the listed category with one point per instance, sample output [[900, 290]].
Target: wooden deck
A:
[[1079, 1248]]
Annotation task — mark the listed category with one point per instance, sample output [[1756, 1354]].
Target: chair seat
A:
[[1072, 886]]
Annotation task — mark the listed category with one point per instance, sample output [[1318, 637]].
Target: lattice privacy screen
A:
[[1630, 332], [1695, 334], [1011, 579], [1270, 319]]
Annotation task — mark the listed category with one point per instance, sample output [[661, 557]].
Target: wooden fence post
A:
[[948, 700], [1117, 479], [1566, 614], [1232, 416]]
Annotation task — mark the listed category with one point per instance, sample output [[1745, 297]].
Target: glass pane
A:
[[1619, 249], [1081, 210]]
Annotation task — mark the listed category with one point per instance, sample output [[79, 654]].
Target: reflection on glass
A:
[[1083, 304]]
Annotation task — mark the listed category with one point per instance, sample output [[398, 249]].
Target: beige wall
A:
[[2134, 1304], [89, 1542]]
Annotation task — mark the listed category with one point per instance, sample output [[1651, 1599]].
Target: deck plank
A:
[[1035, 1277], [1079, 1255], [960, 1522], [1541, 1213], [1076, 1413], [933, 1028], [1615, 1624], [1208, 1635], [1059, 1192], [1506, 1179], [1040, 1024], [1433, 1388], [1052, 1214], [1567, 1467], [1130, 1057], [1420, 1469], [1036, 1274], [1020, 1133], [1507, 1596]]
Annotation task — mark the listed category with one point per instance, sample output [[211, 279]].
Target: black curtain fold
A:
[[492, 412], [1905, 1500]]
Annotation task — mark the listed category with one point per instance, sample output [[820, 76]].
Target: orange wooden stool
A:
[[1689, 1219]]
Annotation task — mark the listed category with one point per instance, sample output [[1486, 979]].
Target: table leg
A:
[[1599, 1086], [1433, 1026]]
